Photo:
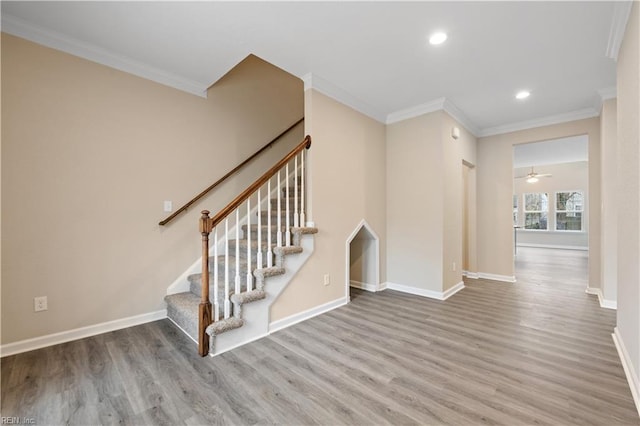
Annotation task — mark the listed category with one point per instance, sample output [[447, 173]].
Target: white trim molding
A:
[[460, 117], [496, 277], [438, 295], [305, 315], [315, 82], [627, 365], [55, 40], [540, 122], [416, 111], [470, 275], [554, 246], [79, 333], [440, 104], [366, 286], [621, 12], [604, 303]]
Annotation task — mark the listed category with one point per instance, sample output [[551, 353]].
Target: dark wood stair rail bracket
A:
[[230, 173], [206, 227]]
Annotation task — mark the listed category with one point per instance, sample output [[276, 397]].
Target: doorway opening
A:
[[363, 259], [551, 210]]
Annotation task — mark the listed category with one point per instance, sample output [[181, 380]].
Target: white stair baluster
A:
[[249, 280], [216, 302], [237, 286], [302, 189], [296, 218], [287, 233], [227, 303], [269, 252], [279, 214], [259, 251]]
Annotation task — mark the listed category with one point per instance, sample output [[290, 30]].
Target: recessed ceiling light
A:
[[437, 38], [523, 94]]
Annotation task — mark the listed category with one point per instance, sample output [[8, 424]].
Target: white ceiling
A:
[[565, 150], [371, 55]]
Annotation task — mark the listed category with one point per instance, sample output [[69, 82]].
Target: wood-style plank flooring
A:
[[536, 352]]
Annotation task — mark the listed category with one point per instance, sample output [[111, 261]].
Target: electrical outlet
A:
[[168, 206], [40, 304], [453, 267], [327, 279]]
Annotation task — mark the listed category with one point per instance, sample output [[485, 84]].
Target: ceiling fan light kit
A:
[[533, 177]]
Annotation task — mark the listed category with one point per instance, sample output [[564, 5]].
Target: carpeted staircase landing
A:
[[182, 308]]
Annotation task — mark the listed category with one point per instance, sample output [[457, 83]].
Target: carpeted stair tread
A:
[[248, 296], [223, 325], [182, 308], [285, 250]]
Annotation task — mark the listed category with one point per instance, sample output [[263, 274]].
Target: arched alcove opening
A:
[[363, 259]]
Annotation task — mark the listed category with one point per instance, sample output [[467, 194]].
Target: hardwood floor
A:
[[536, 352]]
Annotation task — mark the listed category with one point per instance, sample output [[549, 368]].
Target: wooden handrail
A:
[[230, 173], [206, 226], [212, 222]]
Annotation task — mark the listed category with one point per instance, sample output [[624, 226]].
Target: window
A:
[[569, 208], [515, 210], [536, 208]]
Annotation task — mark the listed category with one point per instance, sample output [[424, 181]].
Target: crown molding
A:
[[604, 95], [621, 12], [313, 81], [440, 104], [415, 111], [460, 117], [20, 28], [540, 122]]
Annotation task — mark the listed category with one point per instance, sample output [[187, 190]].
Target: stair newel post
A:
[[227, 303], [204, 309], [237, 282], [216, 301], [269, 252], [288, 230], [249, 280], [279, 214], [259, 254], [296, 218], [302, 189]]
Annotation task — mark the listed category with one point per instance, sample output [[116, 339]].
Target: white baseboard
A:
[[471, 275], [496, 277], [604, 303], [305, 315], [238, 345], [453, 290], [553, 246], [365, 286], [438, 295], [79, 333], [627, 365]]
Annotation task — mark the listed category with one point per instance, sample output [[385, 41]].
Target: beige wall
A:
[[425, 201], [89, 154], [347, 179], [566, 177], [629, 190], [495, 191], [609, 209], [454, 152], [415, 194]]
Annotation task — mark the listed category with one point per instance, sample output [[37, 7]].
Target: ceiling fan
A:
[[532, 176]]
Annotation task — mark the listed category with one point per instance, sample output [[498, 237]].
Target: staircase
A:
[[255, 253]]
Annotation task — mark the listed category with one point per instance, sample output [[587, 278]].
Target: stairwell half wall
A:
[[346, 178]]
